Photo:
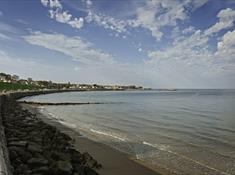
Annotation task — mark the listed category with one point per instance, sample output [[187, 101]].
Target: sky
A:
[[151, 43]]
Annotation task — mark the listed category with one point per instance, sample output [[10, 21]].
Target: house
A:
[[108, 87], [5, 77], [15, 78], [22, 81], [30, 80], [84, 86]]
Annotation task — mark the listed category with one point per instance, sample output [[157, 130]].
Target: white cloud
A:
[[192, 47], [156, 14], [75, 47], [4, 58], [185, 48], [76, 68], [152, 15], [226, 47], [89, 3], [77, 23], [193, 50], [107, 22], [7, 60], [63, 17], [57, 13], [1, 13], [226, 20], [140, 49], [21, 21], [55, 4], [3, 36], [45, 2], [29, 67], [51, 3], [188, 30], [7, 28]]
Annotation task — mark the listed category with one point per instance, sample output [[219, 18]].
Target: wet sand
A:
[[113, 161]]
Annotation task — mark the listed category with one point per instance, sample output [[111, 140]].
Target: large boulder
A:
[[33, 147], [63, 168], [37, 162], [17, 143]]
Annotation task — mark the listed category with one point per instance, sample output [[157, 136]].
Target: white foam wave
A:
[[61, 121], [108, 134], [41, 107], [70, 125], [160, 147], [51, 115]]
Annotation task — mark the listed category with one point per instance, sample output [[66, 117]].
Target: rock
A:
[[77, 157], [79, 170], [27, 156], [13, 155], [63, 136], [22, 168], [60, 156], [86, 156], [41, 170], [18, 143], [37, 162], [64, 168], [17, 161], [90, 171], [37, 148], [94, 164], [33, 147], [19, 150], [9, 139], [90, 161]]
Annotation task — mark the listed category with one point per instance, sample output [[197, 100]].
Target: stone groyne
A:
[[30, 146]]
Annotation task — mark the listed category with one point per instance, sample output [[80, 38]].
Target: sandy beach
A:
[[113, 161]]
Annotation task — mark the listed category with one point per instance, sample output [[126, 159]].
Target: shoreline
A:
[[114, 162]]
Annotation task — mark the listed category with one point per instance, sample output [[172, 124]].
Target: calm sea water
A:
[[183, 131]]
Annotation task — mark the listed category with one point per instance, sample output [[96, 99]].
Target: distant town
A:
[[14, 82]]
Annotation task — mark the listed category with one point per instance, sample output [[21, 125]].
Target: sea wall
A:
[[17, 95], [5, 166]]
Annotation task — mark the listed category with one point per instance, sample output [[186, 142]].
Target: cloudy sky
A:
[[153, 43]]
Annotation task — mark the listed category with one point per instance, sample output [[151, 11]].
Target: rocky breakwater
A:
[[39, 148]]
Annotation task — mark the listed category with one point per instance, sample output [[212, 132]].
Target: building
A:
[[15, 78], [22, 81], [5, 77]]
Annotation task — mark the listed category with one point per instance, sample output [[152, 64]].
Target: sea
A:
[[184, 131]]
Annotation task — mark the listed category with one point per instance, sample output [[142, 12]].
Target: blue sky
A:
[[153, 43]]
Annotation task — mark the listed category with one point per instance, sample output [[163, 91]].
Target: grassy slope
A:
[[16, 86]]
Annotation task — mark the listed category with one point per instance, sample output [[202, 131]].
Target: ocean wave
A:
[[51, 115], [70, 125], [40, 107], [158, 146], [108, 134], [60, 120]]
